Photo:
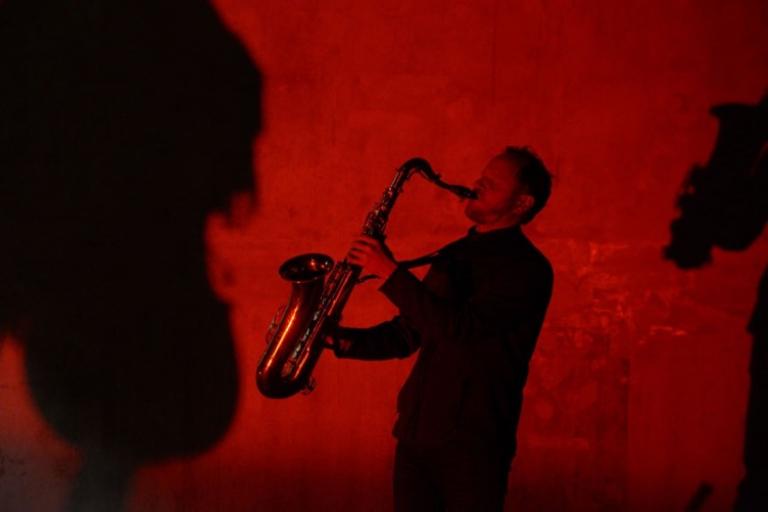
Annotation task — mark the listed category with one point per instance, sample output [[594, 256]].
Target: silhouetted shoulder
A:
[[536, 261]]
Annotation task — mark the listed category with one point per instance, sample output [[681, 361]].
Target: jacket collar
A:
[[510, 232]]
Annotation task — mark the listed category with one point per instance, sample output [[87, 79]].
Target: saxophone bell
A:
[[281, 370]]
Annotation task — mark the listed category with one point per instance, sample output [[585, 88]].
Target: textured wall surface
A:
[[637, 389]]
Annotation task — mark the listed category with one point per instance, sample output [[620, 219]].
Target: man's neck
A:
[[493, 226]]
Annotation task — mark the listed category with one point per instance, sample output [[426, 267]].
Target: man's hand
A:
[[372, 256], [334, 340]]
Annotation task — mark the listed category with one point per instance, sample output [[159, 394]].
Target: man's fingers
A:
[[356, 256], [360, 248], [367, 241], [357, 251], [363, 248]]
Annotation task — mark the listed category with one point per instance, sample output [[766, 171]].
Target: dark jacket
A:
[[475, 317]]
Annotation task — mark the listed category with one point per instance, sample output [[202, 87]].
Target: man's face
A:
[[498, 193]]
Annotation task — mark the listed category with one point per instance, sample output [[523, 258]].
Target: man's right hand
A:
[[330, 341], [335, 341]]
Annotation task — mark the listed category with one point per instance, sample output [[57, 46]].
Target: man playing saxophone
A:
[[474, 320]]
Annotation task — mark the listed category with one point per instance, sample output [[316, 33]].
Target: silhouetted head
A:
[[114, 151], [512, 189], [722, 204]]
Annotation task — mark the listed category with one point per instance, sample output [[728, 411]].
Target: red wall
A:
[[638, 386]]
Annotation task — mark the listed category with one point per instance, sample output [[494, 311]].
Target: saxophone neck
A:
[[418, 164], [421, 166], [377, 218]]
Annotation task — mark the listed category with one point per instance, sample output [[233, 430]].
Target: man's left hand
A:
[[372, 256]]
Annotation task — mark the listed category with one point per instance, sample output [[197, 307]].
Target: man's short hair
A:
[[533, 175]]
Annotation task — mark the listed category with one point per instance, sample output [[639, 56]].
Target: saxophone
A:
[[319, 291]]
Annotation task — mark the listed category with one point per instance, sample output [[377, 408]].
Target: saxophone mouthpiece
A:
[[462, 192]]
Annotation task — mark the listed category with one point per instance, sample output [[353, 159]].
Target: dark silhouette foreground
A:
[[725, 204], [123, 125]]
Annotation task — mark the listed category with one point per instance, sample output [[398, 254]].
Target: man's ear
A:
[[523, 203]]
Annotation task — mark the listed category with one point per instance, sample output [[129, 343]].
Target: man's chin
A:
[[473, 214]]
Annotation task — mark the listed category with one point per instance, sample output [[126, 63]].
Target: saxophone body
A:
[[319, 291]]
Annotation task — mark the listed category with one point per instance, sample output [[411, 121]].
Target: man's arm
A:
[[504, 304], [387, 340]]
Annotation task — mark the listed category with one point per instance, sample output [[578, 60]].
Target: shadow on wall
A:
[[123, 124], [725, 204]]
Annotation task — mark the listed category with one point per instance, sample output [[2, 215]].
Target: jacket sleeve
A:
[[515, 298], [387, 340]]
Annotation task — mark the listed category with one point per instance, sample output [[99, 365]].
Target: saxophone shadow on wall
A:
[[123, 125], [725, 204]]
